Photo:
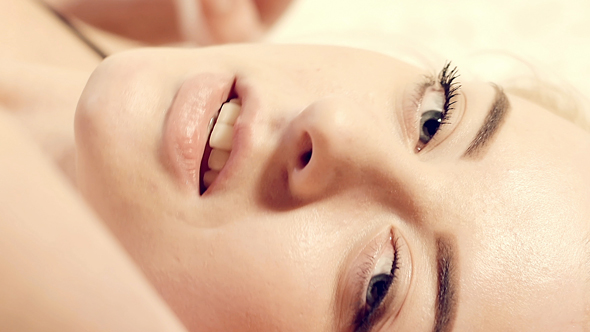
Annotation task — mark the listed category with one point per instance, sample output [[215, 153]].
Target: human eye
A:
[[380, 275], [436, 103]]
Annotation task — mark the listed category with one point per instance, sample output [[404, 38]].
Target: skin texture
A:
[[280, 245]]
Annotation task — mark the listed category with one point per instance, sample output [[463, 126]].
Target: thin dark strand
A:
[[448, 81], [395, 264], [76, 32]]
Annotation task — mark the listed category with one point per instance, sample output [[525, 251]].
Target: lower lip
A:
[[186, 128]]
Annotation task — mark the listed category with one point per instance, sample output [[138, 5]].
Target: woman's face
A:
[[355, 195]]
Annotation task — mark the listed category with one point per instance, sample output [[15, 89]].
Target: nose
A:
[[329, 144]]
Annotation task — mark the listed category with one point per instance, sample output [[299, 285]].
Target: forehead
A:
[[521, 215]]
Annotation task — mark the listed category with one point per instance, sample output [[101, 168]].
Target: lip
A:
[[186, 127], [243, 132]]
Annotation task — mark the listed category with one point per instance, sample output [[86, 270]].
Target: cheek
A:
[[118, 132], [240, 278]]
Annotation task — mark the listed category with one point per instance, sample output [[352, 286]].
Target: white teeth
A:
[[217, 159], [209, 177], [222, 136], [229, 113], [221, 140]]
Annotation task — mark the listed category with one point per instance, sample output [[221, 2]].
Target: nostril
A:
[[305, 149], [304, 159]]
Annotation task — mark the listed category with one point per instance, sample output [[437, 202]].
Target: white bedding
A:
[[551, 34]]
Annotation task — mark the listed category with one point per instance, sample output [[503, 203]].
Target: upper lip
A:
[[186, 133]]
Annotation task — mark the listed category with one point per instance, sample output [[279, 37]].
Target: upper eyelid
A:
[[428, 82], [410, 105], [417, 98], [420, 89]]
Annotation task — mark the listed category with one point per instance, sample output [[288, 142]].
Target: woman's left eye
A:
[[378, 287], [381, 279], [432, 117], [436, 105]]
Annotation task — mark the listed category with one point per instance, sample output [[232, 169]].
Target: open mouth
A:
[[219, 142]]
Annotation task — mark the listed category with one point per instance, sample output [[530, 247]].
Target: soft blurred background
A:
[[550, 35]]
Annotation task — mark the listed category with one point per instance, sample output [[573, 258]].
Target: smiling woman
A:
[[298, 188], [390, 197]]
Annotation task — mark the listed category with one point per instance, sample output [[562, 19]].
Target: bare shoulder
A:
[[54, 253], [43, 100]]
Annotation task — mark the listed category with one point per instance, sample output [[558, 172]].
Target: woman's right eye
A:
[[430, 122]]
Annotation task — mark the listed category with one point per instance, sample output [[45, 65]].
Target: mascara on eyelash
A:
[[448, 81], [432, 119]]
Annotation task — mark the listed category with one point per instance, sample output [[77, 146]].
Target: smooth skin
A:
[[61, 269], [277, 245], [517, 215]]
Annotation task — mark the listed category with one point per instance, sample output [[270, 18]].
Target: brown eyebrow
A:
[[492, 123], [447, 276]]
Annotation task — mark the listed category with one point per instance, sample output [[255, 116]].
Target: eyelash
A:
[[447, 81], [366, 315]]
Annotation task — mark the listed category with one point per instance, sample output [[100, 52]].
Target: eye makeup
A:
[[433, 105], [379, 280]]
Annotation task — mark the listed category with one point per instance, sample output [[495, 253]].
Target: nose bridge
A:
[[333, 143]]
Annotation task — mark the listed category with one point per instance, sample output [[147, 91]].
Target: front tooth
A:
[[222, 136], [229, 113], [209, 177], [217, 159]]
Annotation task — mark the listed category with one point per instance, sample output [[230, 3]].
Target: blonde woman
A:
[[297, 188]]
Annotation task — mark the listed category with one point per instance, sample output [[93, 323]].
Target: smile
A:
[[189, 134], [220, 143]]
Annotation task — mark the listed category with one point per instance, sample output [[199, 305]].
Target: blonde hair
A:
[[534, 82]]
